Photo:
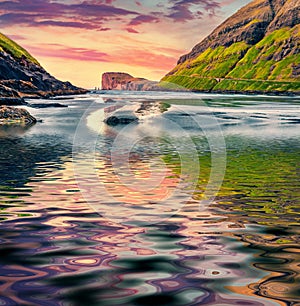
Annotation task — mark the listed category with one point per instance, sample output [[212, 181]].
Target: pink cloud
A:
[[131, 30], [181, 10], [91, 14], [136, 57], [64, 52], [143, 19], [87, 14], [16, 37], [105, 29]]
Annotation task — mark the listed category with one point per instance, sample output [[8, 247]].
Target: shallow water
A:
[[129, 215]]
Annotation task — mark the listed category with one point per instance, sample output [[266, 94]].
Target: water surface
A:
[[86, 221]]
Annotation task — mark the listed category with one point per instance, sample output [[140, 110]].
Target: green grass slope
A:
[[267, 66], [14, 49], [260, 61]]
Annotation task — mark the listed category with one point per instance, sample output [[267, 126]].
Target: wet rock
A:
[[115, 120], [121, 115], [47, 105], [12, 101], [15, 115], [109, 100]]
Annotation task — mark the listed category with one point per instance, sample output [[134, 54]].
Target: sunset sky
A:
[[79, 40]]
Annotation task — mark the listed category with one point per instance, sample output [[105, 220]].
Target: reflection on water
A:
[[242, 250]]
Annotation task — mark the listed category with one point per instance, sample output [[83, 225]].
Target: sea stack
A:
[[125, 81]]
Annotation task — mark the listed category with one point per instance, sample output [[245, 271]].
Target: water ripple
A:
[[243, 250]]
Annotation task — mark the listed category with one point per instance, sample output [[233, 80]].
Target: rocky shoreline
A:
[[12, 97]]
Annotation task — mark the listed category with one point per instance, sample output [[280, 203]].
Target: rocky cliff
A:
[[125, 81], [21, 75], [255, 50]]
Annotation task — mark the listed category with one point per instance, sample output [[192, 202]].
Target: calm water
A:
[[141, 215]]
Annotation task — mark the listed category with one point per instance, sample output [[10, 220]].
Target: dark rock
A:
[[61, 98], [6, 91], [47, 105], [15, 115], [12, 101], [120, 114], [109, 101], [296, 71], [286, 14], [114, 120]]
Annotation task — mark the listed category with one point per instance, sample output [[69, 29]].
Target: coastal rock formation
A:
[[125, 81], [115, 80], [21, 75], [9, 96], [255, 50], [15, 115]]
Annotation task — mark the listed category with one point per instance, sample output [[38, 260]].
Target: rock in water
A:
[[120, 114], [125, 114], [22, 75], [15, 115], [255, 50]]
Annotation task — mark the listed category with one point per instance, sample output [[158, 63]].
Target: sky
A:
[[77, 40]]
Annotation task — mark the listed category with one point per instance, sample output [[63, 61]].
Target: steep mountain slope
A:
[[256, 49], [22, 75]]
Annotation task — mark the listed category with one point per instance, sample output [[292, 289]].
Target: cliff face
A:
[[125, 81], [22, 75], [256, 49], [115, 80]]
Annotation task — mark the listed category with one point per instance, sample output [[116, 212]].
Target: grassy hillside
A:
[[261, 61], [267, 66], [215, 63], [14, 49]]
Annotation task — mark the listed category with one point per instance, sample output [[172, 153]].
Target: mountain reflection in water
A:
[[241, 250]]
